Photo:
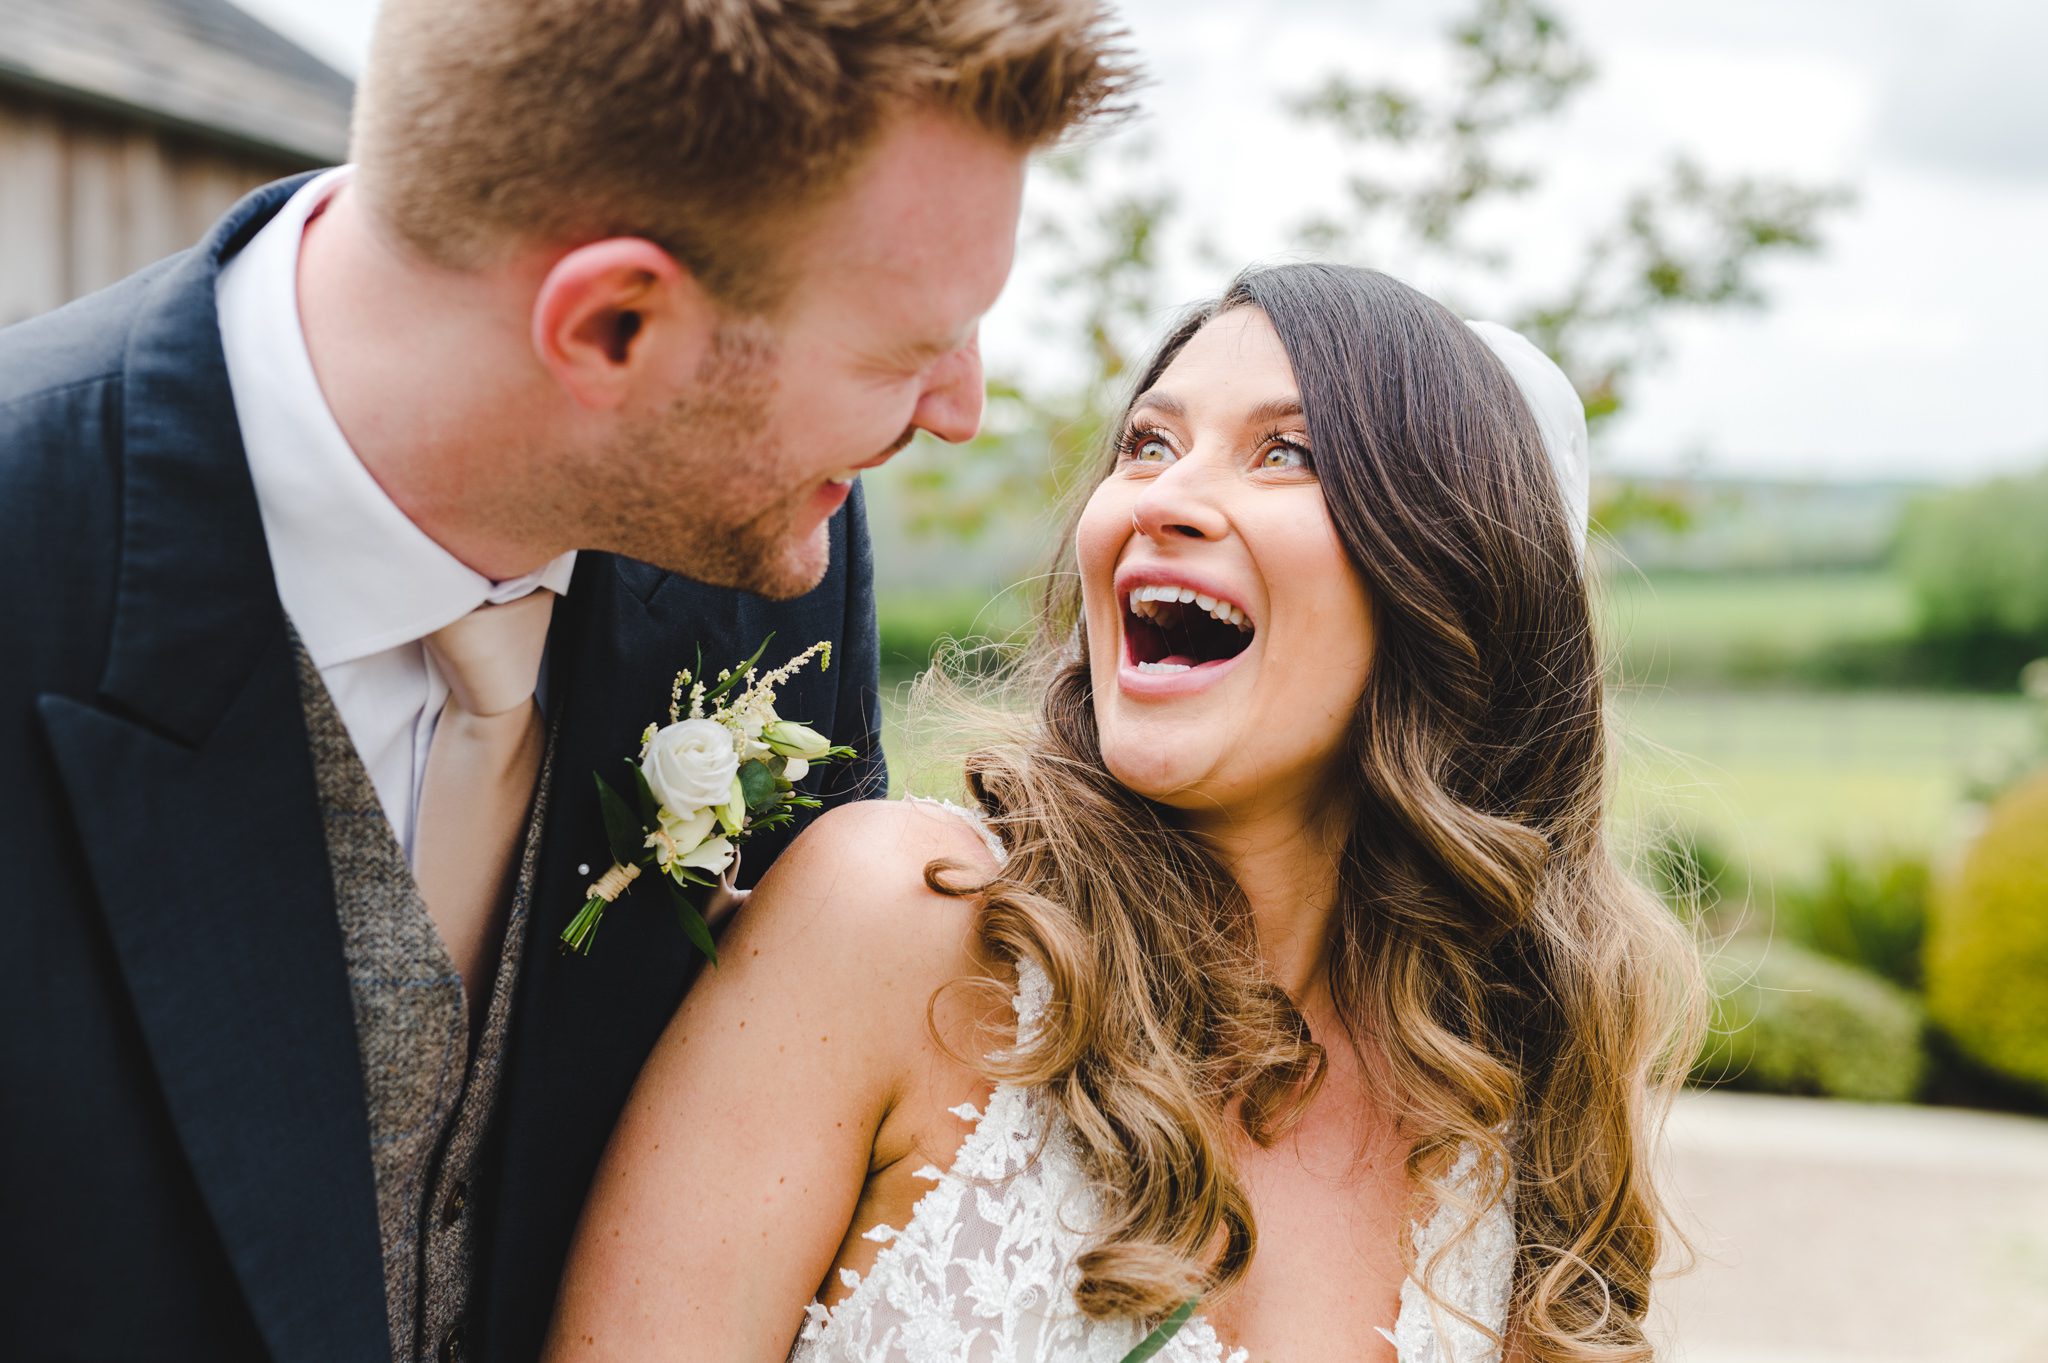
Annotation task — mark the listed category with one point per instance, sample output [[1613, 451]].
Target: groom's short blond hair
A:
[[707, 126]]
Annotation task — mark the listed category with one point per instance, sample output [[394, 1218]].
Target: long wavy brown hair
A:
[[1515, 991]]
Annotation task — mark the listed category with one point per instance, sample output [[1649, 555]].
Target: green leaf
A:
[[622, 832], [757, 779], [650, 804], [737, 675], [694, 926], [1168, 1328]]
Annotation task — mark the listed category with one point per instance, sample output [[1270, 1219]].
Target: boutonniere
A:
[[723, 768]]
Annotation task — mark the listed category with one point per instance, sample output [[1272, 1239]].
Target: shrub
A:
[[1789, 1020], [1987, 943], [1869, 912]]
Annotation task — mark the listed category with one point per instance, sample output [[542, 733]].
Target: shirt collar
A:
[[354, 573]]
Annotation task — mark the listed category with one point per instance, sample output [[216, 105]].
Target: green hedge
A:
[[1869, 910], [1789, 1020], [1987, 943]]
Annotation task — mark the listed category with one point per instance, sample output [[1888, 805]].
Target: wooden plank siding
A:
[[87, 197]]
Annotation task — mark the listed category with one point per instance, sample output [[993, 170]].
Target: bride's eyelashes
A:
[[1292, 453], [1137, 442], [1278, 451]]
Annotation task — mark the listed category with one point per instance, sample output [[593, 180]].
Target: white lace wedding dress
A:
[[984, 1271]]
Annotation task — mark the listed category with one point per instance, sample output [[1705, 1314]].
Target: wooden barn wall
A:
[[88, 197]]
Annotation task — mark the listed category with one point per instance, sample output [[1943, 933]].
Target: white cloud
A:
[[1970, 98]]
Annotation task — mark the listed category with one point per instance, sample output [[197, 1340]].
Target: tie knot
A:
[[490, 658]]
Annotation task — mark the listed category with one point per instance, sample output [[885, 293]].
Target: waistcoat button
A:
[[458, 1203]]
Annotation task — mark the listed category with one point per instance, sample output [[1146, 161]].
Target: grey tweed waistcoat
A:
[[429, 1096]]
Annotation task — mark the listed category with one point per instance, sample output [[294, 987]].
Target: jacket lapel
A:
[[192, 786]]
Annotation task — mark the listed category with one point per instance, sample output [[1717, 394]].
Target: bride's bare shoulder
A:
[[849, 899], [888, 838]]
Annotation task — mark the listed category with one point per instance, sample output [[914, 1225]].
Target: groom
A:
[[345, 546]]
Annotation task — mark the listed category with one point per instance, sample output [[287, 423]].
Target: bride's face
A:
[[1229, 635]]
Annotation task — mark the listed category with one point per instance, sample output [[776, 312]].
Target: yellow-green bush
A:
[[1789, 1020], [1987, 943]]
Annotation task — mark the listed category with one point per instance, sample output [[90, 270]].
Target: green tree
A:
[[1419, 165], [1977, 561]]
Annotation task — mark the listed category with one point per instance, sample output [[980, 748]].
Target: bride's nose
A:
[[1180, 503]]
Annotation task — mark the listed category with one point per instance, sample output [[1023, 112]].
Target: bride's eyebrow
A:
[[1267, 413], [1166, 404], [1273, 410]]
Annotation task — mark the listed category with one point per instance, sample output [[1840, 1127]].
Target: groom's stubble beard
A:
[[707, 489]]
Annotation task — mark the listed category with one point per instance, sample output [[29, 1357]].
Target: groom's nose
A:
[[950, 406]]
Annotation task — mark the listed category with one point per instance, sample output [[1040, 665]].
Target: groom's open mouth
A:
[[1170, 629]]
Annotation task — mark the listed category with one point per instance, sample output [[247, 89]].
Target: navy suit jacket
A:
[[184, 1157]]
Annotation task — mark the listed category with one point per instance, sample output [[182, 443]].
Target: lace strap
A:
[[1034, 990], [975, 818]]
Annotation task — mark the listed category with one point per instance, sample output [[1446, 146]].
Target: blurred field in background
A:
[[1734, 723], [1781, 778]]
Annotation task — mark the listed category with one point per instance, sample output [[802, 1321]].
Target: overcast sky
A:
[[1914, 347]]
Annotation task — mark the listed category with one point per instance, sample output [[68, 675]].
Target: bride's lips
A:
[[1132, 678], [1200, 677]]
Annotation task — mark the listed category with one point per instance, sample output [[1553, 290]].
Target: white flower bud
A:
[[796, 740]]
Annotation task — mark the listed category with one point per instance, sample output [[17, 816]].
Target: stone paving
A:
[[1829, 1232]]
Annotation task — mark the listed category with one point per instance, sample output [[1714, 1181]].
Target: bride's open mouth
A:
[[1170, 630]]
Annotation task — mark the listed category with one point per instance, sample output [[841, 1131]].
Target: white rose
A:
[[690, 765]]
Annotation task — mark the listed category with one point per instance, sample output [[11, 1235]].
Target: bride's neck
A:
[[1285, 858]]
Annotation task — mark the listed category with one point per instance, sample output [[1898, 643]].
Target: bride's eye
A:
[[1140, 446], [1285, 454]]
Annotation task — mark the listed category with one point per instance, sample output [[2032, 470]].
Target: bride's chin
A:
[[1147, 770]]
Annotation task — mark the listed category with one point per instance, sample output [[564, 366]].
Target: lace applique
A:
[[984, 1270], [1476, 1273]]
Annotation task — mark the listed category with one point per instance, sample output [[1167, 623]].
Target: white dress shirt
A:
[[361, 583]]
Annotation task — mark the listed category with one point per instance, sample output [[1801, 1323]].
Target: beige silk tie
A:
[[480, 776]]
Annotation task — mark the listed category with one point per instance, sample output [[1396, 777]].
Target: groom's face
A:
[[877, 341]]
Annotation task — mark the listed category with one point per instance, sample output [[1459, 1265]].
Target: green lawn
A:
[[1780, 777]]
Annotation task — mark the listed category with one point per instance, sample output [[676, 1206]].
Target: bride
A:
[[1281, 999]]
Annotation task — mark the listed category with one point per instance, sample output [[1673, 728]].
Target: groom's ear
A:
[[619, 316]]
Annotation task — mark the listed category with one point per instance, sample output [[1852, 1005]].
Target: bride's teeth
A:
[[1144, 600], [1160, 668]]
